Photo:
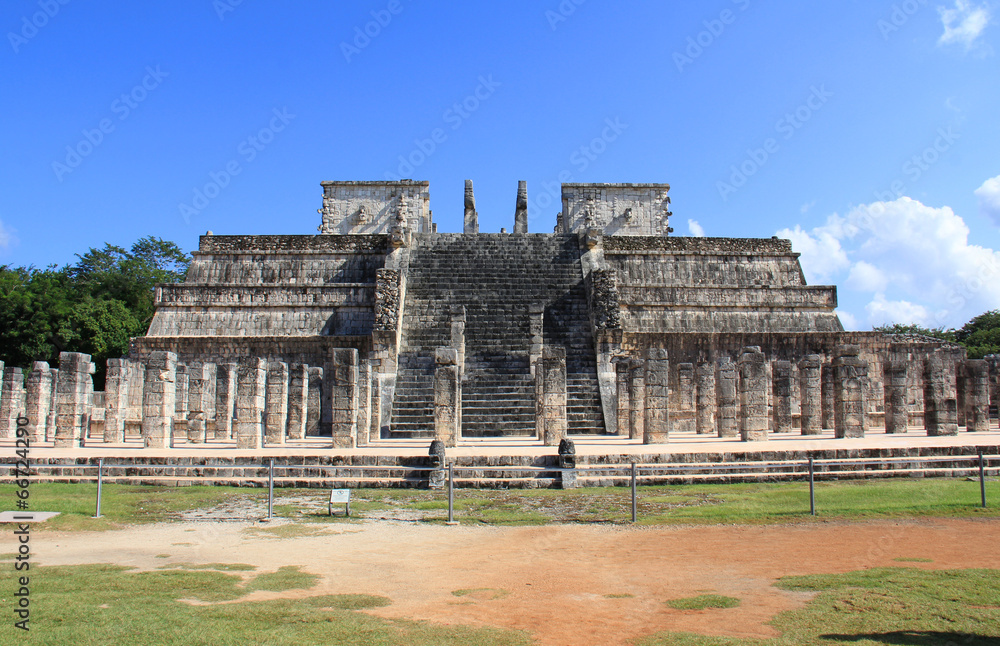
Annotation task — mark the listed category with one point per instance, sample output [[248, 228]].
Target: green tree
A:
[[93, 306], [981, 335], [912, 328]]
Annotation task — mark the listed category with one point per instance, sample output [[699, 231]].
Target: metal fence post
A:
[[451, 495], [812, 489], [982, 480], [100, 479], [635, 508], [270, 490]]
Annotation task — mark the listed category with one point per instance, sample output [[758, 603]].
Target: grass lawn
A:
[[106, 604], [660, 505], [905, 606]]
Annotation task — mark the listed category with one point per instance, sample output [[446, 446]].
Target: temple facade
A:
[[379, 327]]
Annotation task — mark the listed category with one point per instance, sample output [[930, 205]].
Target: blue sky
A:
[[864, 131]]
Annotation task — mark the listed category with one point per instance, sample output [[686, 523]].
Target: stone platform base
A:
[[522, 464]]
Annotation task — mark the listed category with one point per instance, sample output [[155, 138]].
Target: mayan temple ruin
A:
[[379, 328]]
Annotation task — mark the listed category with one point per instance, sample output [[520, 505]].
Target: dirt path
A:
[[552, 581]]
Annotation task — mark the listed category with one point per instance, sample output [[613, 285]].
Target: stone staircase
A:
[[496, 277]]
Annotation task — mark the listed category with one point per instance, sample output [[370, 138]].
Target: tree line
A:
[[93, 305]]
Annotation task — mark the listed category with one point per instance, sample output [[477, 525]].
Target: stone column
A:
[[753, 395], [521, 208], [726, 417], [180, 402], [850, 414], [704, 377], [199, 394], [135, 377], [977, 399], [11, 401], [458, 336], [50, 423], [960, 394], [826, 376], [553, 395], [621, 387], [811, 394], [897, 413], [276, 403], [657, 422], [251, 386], [365, 402], [940, 398], [536, 330], [781, 397], [471, 216], [314, 396], [684, 419], [115, 400], [343, 388], [447, 396], [637, 399], [158, 400], [225, 400], [38, 400], [72, 400], [298, 400]]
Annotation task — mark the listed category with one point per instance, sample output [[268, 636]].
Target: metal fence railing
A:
[[811, 470]]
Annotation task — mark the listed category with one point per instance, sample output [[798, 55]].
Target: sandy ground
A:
[[551, 581]]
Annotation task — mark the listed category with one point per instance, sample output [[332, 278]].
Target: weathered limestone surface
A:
[[753, 387], [811, 394], [200, 379], [940, 398], [624, 409], [50, 424], [553, 395], [850, 412], [225, 400], [344, 397], [11, 401], [181, 393], [115, 400], [521, 209], [618, 209], [471, 216], [447, 396], [276, 403], [72, 399], [829, 395], [251, 386], [314, 411], [298, 400], [781, 399], [684, 420], [897, 415], [977, 400], [637, 399], [158, 404], [38, 400], [705, 386], [727, 418], [657, 423]]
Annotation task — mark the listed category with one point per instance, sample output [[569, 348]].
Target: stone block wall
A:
[[616, 209]]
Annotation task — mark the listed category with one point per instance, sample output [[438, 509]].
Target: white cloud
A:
[[883, 312], [964, 23], [989, 199], [848, 320], [805, 208], [866, 277], [6, 236], [912, 263], [822, 255], [695, 229]]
